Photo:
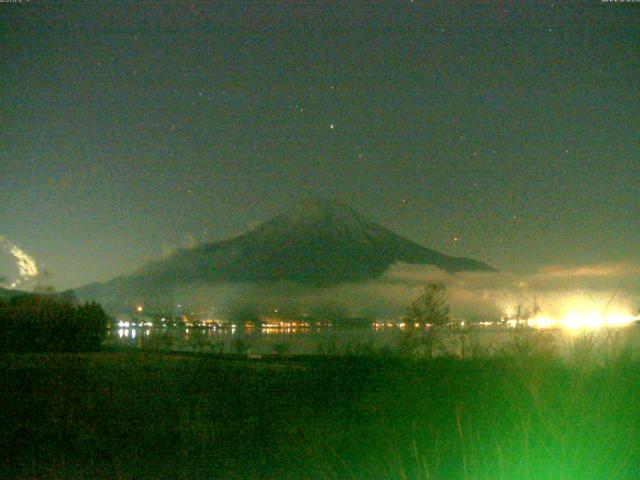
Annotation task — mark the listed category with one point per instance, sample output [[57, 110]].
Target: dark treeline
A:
[[47, 323]]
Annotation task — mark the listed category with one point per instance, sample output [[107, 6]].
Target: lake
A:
[[354, 340]]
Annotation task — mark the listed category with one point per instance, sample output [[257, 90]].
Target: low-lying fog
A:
[[558, 290]]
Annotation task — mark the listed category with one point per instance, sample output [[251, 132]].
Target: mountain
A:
[[318, 243], [8, 293]]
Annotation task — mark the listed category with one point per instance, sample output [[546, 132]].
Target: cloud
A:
[[554, 288], [557, 289], [167, 249], [27, 268], [253, 225], [189, 241], [617, 270]]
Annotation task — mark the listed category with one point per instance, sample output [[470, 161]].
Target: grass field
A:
[[150, 415]]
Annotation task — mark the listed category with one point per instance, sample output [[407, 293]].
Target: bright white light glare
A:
[[541, 322], [574, 311], [590, 320], [27, 268], [595, 319], [572, 321]]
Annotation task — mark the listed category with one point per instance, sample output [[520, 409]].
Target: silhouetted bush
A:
[[281, 348], [45, 323]]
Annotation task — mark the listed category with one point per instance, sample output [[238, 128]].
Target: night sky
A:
[[504, 131]]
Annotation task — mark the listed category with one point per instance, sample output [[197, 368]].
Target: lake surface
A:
[[355, 340]]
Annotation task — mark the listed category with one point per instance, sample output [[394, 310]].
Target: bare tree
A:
[[431, 307]]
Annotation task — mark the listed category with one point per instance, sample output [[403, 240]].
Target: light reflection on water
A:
[[338, 340]]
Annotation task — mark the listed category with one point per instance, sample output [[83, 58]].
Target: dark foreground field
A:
[[142, 415]]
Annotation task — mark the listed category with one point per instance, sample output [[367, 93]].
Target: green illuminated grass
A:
[[522, 413]]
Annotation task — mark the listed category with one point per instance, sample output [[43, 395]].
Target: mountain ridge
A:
[[317, 243]]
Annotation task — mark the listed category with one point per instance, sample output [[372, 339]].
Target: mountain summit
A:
[[319, 242]]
